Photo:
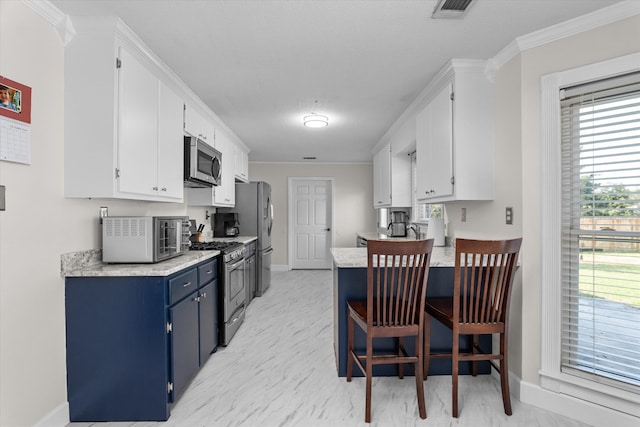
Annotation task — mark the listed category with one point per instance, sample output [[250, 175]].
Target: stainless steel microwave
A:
[[202, 163], [144, 239]]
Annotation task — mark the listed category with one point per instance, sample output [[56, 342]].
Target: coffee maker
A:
[[398, 225], [225, 224]]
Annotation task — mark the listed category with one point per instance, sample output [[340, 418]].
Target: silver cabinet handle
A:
[[186, 284]]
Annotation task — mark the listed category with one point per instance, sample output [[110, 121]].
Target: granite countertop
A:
[[357, 257], [382, 236], [89, 264], [240, 239]]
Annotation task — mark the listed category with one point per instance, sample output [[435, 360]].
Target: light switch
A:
[[2, 199]]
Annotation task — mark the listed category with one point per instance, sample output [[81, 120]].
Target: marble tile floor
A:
[[279, 371]]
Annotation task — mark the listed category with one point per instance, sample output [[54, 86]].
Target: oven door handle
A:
[[236, 265]]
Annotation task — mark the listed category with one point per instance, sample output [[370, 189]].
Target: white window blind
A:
[[600, 134]]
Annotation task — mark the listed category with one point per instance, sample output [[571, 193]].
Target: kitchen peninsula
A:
[[350, 282]]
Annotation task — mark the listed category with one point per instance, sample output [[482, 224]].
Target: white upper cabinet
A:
[[196, 124], [241, 164], [223, 195], [170, 153], [391, 178], [434, 139], [123, 125], [382, 177], [454, 137]]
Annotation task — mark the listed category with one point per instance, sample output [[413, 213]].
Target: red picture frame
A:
[[19, 107]]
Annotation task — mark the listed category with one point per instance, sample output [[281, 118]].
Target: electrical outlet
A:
[[509, 216], [104, 212], [463, 215]]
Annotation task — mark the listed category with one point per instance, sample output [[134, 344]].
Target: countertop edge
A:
[[442, 256], [100, 269]]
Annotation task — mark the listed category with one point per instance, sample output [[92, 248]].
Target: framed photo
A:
[[15, 100]]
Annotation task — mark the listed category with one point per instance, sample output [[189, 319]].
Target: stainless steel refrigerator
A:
[[255, 218]]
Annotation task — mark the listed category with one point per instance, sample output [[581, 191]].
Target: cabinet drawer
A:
[[182, 285], [207, 272]]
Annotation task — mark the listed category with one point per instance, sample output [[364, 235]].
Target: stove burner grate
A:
[[216, 246]]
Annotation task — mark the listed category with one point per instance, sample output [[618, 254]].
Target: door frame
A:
[[291, 203]]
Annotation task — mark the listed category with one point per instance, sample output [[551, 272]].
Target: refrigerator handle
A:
[[268, 251], [270, 217]]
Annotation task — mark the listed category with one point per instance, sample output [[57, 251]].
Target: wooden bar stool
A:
[[397, 274], [483, 276]]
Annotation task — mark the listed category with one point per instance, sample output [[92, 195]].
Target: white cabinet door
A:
[[391, 178], [434, 134], [382, 177], [225, 193], [241, 164], [137, 126], [123, 130], [454, 138], [196, 124], [170, 145]]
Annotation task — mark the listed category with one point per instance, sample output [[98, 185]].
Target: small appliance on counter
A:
[[144, 239], [435, 231], [398, 225], [226, 224]]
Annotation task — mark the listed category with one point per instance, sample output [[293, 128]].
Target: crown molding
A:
[[53, 15], [598, 18]]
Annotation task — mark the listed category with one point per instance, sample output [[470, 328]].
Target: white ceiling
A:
[[262, 64]]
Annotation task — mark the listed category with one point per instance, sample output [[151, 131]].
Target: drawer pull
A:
[[204, 295], [209, 272], [186, 284]]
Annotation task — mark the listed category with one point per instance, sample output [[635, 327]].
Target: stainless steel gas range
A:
[[232, 295]]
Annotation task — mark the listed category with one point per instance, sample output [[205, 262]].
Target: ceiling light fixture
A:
[[314, 120]]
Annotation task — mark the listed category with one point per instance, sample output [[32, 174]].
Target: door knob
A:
[[327, 229]]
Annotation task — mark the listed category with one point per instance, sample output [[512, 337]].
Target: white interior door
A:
[[311, 221]]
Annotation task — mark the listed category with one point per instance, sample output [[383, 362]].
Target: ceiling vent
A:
[[451, 9]]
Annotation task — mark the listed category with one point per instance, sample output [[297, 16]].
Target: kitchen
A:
[[33, 323]]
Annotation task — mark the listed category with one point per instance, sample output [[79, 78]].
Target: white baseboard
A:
[[577, 409], [59, 417], [279, 267]]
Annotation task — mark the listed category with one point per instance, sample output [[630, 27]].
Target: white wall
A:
[[39, 225], [610, 41], [353, 199]]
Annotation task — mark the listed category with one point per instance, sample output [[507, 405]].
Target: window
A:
[[589, 199], [600, 137]]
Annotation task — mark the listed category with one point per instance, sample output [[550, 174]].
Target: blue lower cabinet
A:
[[208, 320], [135, 343], [185, 357]]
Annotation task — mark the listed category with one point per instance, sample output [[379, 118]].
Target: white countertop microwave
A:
[[144, 239]]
